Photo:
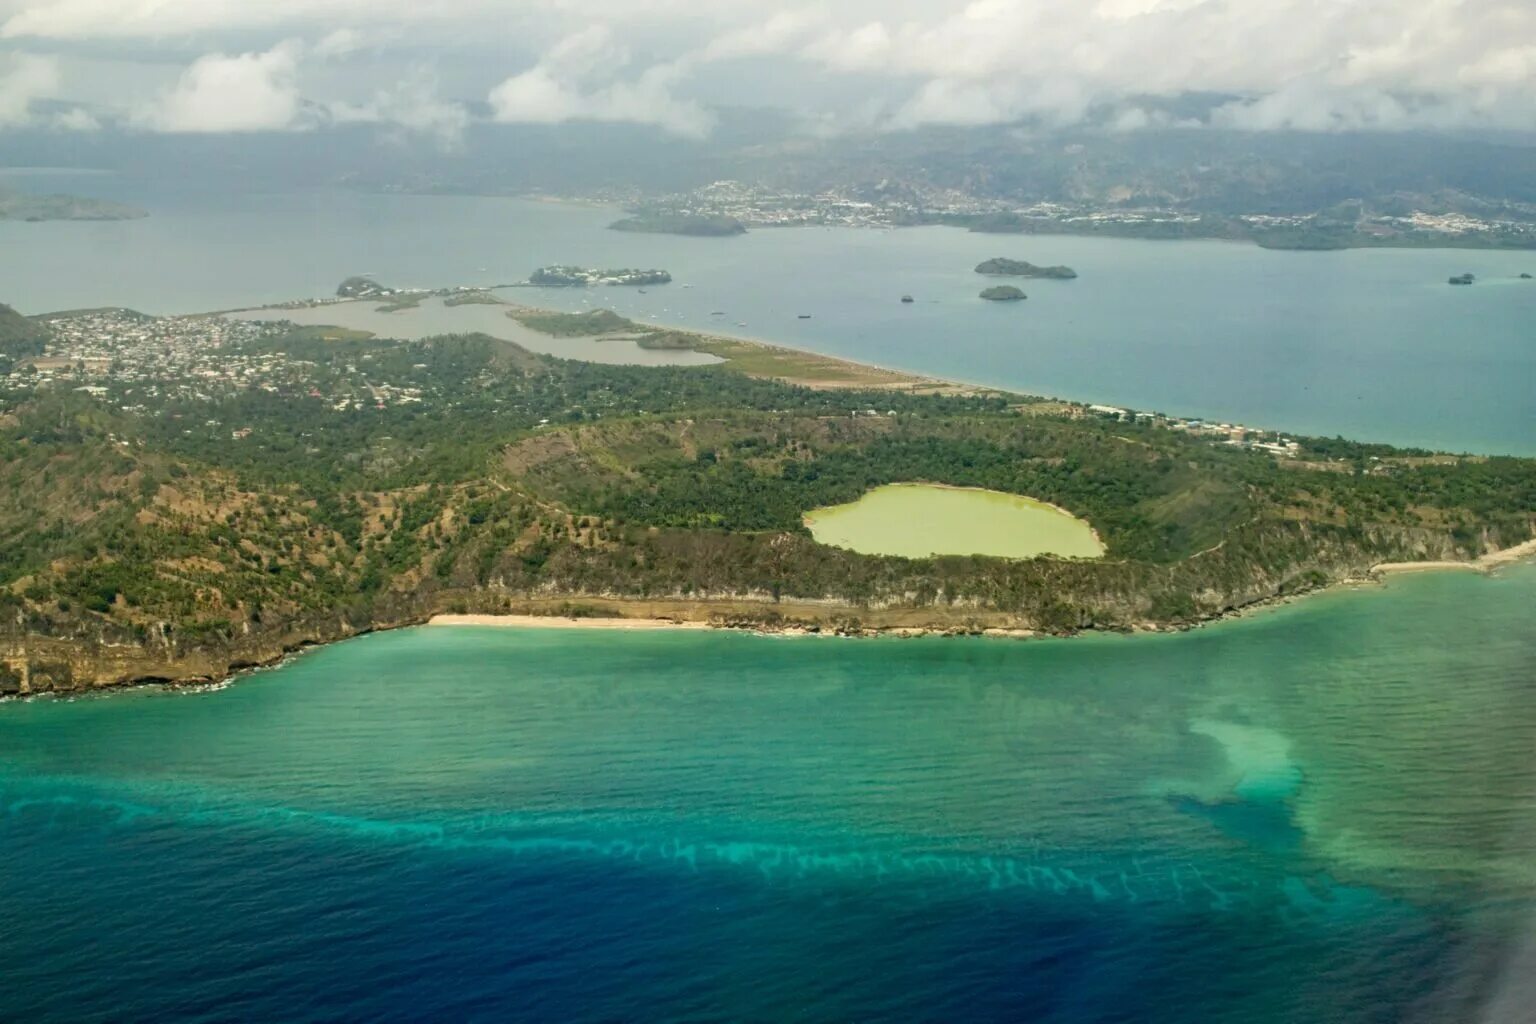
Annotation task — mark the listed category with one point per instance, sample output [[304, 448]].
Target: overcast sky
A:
[[293, 65]]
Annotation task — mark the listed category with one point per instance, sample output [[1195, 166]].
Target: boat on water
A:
[[906, 298], [804, 316]]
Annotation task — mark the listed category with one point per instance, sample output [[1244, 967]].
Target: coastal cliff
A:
[[71, 654]]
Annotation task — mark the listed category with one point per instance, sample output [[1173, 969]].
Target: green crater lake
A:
[[920, 520]]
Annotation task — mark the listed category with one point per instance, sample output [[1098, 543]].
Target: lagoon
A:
[[432, 317], [922, 520]]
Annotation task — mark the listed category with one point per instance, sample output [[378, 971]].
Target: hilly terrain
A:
[[156, 526]]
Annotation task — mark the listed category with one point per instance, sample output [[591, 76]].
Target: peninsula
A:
[[184, 497], [700, 225], [58, 206]]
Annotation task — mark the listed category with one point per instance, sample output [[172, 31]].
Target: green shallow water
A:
[[919, 520], [1340, 790], [1392, 725]]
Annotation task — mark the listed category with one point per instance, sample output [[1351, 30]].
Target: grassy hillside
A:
[[20, 337]]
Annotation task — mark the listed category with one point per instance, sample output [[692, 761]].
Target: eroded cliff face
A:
[[90, 652], [86, 652]]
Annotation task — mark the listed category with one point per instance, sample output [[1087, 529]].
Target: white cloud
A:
[[342, 42], [98, 19], [778, 34], [165, 19], [578, 80], [75, 119], [1340, 65], [414, 105], [865, 48], [24, 79], [1329, 63], [247, 92]]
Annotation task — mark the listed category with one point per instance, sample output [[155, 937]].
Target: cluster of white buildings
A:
[[756, 206], [134, 346], [1233, 434], [1459, 224], [141, 362]]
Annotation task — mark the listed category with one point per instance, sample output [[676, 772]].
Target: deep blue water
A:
[[220, 923], [1322, 813]]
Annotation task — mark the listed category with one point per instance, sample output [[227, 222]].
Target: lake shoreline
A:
[[826, 516]]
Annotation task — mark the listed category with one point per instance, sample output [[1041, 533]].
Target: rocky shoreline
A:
[[33, 665]]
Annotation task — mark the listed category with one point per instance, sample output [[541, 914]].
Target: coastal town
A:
[[886, 204], [759, 206], [142, 364]]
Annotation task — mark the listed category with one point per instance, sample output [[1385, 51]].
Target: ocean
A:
[[1320, 812], [1369, 344]]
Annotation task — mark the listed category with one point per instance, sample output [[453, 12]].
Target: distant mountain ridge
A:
[[1191, 166]]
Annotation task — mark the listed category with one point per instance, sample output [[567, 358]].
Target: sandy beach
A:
[[562, 622], [1489, 561]]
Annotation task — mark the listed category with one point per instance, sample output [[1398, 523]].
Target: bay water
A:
[[1370, 344]]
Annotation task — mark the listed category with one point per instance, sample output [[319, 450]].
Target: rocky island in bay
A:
[[358, 287], [582, 277], [1001, 266], [1003, 293]]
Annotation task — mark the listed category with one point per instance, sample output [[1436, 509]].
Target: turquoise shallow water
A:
[[1324, 812], [1370, 344]]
